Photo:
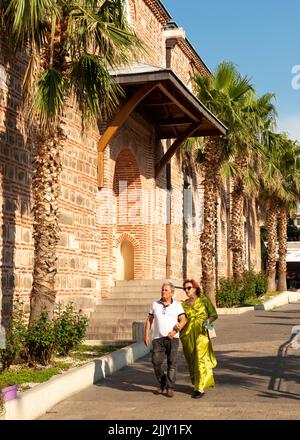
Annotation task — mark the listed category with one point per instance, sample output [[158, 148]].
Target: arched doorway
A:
[[125, 261], [129, 217]]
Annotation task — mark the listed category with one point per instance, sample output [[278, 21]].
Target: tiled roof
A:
[[136, 68]]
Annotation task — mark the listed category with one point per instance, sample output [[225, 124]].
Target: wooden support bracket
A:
[[176, 144], [117, 122]]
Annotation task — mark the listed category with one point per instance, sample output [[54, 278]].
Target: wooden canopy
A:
[[160, 96]]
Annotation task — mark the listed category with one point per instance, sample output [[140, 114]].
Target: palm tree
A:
[[222, 94], [282, 248], [290, 168], [279, 180], [258, 115], [270, 186], [72, 45]]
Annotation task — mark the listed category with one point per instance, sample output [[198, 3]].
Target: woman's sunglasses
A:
[[188, 288]]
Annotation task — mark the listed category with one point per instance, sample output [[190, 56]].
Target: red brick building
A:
[[124, 212]]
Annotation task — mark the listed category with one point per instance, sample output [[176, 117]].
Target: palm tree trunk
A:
[[237, 242], [272, 239], [207, 239], [237, 221], [45, 184], [282, 249]]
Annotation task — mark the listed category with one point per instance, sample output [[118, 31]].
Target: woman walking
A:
[[196, 344]]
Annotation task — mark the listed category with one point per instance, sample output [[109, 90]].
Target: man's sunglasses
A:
[[188, 288]]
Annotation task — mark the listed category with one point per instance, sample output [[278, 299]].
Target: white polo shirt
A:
[[165, 317]]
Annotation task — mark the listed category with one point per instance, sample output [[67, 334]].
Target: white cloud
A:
[[290, 124]]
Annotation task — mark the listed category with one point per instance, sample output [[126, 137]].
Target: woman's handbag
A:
[[210, 330], [212, 333]]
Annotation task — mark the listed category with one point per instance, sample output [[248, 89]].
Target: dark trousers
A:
[[165, 347]]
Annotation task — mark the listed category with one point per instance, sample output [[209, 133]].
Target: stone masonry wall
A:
[[15, 196], [150, 30], [90, 232], [79, 246], [181, 65]]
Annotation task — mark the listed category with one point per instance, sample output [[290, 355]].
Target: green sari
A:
[[196, 344]]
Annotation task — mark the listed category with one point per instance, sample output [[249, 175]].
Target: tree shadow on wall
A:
[[15, 160]]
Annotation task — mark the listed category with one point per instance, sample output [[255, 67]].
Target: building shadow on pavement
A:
[[278, 317], [282, 372], [274, 323], [140, 378], [287, 311], [268, 376]]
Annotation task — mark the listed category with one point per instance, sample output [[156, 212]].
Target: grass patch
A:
[[61, 365], [25, 375], [269, 295], [22, 374], [88, 352], [253, 301]]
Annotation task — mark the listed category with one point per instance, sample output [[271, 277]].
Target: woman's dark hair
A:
[[195, 284]]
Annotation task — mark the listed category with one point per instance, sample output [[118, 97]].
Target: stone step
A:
[[145, 283], [119, 308], [98, 341], [122, 301], [136, 315], [108, 333], [120, 334], [113, 322], [138, 290], [131, 296], [129, 301], [108, 322], [151, 296], [107, 338], [179, 295]]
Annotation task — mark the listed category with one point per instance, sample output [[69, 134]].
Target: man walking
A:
[[169, 318]]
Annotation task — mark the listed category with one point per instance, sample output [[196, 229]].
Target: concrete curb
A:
[[36, 401], [279, 300], [234, 310]]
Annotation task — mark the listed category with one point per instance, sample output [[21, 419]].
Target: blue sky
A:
[[261, 37]]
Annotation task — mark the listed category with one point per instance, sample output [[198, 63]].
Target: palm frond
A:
[[251, 181], [104, 32], [28, 20], [193, 144], [96, 91], [229, 170], [50, 96]]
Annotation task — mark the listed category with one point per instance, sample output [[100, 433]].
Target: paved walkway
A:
[[256, 378]]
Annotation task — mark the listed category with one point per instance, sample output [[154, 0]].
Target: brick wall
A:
[[80, 240], [131, 158], [15, 196], [149, 28], [181, 65], [91, 230]]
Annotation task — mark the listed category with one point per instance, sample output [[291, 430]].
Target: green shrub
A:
[[228, 294], [261, 284], [40, 340], [15, 336], [70, 328], [248, 286], [231, 293]]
